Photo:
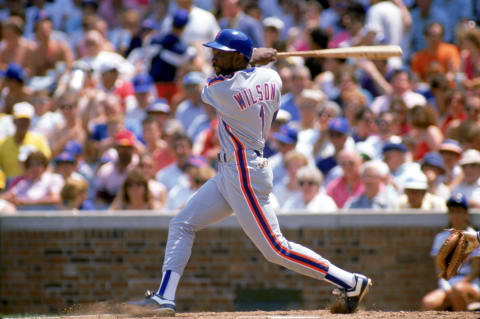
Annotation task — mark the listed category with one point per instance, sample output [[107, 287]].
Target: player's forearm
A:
[[262, 56]]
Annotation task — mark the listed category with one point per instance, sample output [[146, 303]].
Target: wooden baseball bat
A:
[[368, 52]]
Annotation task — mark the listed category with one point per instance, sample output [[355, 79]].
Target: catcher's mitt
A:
[[452, 254]]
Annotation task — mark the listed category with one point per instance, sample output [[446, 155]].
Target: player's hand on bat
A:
[[262, 56]]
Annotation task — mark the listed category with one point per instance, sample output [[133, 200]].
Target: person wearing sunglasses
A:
[[312, 197]]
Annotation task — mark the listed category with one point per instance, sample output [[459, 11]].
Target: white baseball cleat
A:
[[154, 304], [351, 298]]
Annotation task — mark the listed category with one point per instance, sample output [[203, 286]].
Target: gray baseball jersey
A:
[[245, 104]]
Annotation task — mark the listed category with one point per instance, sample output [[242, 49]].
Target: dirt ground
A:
[[297, 314], [114, 310]]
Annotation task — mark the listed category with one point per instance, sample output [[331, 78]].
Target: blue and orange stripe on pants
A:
[[260, 218]]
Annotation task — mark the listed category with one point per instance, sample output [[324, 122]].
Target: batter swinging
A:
[[246, 100]]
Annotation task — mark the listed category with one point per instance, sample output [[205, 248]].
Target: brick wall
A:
[[50, 262]]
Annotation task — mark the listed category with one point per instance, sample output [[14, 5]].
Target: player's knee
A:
[[272, 256], [177, 225]]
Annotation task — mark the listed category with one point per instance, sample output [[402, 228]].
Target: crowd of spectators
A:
[[101, 109]]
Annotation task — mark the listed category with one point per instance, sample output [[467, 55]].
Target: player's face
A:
[[226, 63]]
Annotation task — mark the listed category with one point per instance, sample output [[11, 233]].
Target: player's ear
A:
[[239, 61]]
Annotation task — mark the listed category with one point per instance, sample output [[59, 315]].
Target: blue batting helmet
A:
[[232, 41]]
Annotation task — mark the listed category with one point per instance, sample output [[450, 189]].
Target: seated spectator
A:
[[288, 186], [159, 110], [137, 111], [111, 81], [470, 184], [14, 48], [312, 197], [175, 173], [401, 88], [134, 193], [190, 112], [157, 147], [96, 55], [464, 287], [272, 30], [395, 156], [72, 129], [286, 139], [198, 173], [349, 185], [375, 196], [10, 146], [47, 120], [336, 138], [309, 103], [40, 189], [14, 89], [350, 91], [233, 16], [74, 195], [451, 152], [416, 196], [387, 126], [157, 189], [455, 110], [66, 166], [208, 143], [363, 124], [301, 79], [434, 168], [435, 52], [112, 174]]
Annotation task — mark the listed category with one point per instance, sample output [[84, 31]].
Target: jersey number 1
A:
[[262, 116]]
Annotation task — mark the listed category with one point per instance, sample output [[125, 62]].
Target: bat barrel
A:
[[368, 52]]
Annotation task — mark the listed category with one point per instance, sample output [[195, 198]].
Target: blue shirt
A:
[[173, 53]]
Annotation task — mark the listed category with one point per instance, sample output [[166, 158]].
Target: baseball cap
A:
[[286, 134], [23, 110], [197, 161], [109, 65], [458, 199], [14, 71], [148, 24], [366, 150], [93, 3], [283, 116], [180, 18], [124, 138], [159, 105], [433, 159], [339, 124], [193, 78], [65, 157], [41, 16], [416, 180], [142, 83], [273, 22], [470, 156], [74, 148], [394, 147], [450, 146], [24, 151]]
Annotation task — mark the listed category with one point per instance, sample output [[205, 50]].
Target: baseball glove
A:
[[453, 253]]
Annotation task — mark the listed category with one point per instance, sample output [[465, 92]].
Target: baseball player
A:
[[246, 99]]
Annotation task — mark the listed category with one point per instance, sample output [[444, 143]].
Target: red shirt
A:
[[340, 192]]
